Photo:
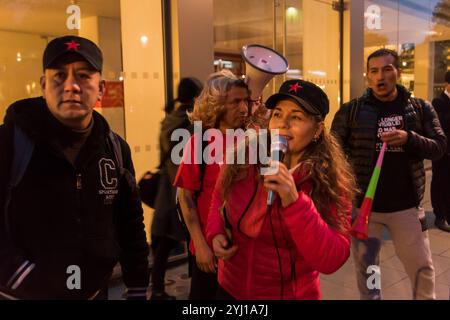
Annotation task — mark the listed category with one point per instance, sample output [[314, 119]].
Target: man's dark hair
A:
[[385, 52], [447, 76], [239, 83]]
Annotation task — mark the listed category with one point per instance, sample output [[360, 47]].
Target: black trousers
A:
[[102, 295], [222, 294], [161, 247], [203, 284], [440, 188]]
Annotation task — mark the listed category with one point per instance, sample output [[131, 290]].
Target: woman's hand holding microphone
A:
[[282, 183]]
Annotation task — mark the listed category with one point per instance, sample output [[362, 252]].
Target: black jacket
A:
[[88, 214], [442, 106], [166, 222], [426, 139]]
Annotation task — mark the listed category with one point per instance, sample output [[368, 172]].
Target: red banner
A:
[[114, 96]]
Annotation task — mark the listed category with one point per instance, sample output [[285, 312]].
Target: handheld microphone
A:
[[278, 148]]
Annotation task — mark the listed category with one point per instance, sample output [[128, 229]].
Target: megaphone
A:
[[261, 64]]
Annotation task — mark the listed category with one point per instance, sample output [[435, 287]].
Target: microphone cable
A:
[[292, 259], [269, 212]]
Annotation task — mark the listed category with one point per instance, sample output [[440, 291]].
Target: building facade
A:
[[149, 45]]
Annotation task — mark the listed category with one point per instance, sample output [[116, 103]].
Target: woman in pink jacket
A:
[[279, 253]]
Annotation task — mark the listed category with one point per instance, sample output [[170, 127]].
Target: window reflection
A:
[[27, 26], [305, 32], [420, 31]]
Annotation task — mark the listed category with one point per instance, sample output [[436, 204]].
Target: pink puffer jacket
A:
[[306, 244]]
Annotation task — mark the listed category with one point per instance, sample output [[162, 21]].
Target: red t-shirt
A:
[[189, 177]]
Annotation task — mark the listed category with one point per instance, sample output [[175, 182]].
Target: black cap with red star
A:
[[61, 46], [309, 96]]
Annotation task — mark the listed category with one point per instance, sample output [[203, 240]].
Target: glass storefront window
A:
[[306, 32], [419, 30], [236, 24], [130, 34], [27, 26]]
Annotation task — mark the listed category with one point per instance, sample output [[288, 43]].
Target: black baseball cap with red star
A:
[[309, 96], [62, 46]]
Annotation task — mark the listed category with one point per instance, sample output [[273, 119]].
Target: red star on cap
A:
[[295, 87], [72, 45]]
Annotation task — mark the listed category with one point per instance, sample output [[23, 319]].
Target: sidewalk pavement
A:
[[341, 285]]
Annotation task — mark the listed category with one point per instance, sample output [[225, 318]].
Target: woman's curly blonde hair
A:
[[210, 104]]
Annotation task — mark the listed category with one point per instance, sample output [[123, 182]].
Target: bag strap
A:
[[164, 159], [23, 149], [117, 148], [417, 106], [202, 173], [353, 114], [202, 166]]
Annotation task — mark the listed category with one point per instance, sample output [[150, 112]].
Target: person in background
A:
[[222, 105], [386, 113], [167, 231], [440, 183]]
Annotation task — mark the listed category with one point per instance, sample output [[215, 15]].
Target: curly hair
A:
[[209, 105], [325, 164], [332, 177]]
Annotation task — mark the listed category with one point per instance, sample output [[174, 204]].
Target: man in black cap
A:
[[409, 127], [70, 207], [440, 191]]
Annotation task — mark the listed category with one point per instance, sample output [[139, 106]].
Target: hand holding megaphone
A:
[[261, 65]]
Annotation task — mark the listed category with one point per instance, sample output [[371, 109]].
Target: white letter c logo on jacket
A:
[[107, 169]]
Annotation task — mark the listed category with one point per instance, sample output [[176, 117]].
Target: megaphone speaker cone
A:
[[261, 64], [264, 59]]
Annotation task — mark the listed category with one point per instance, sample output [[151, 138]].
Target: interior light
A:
[[432, 33], [318, 73], [291, 12], [144, 40]]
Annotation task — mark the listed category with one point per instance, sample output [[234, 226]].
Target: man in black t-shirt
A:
[[396, 187], [410, 128]]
